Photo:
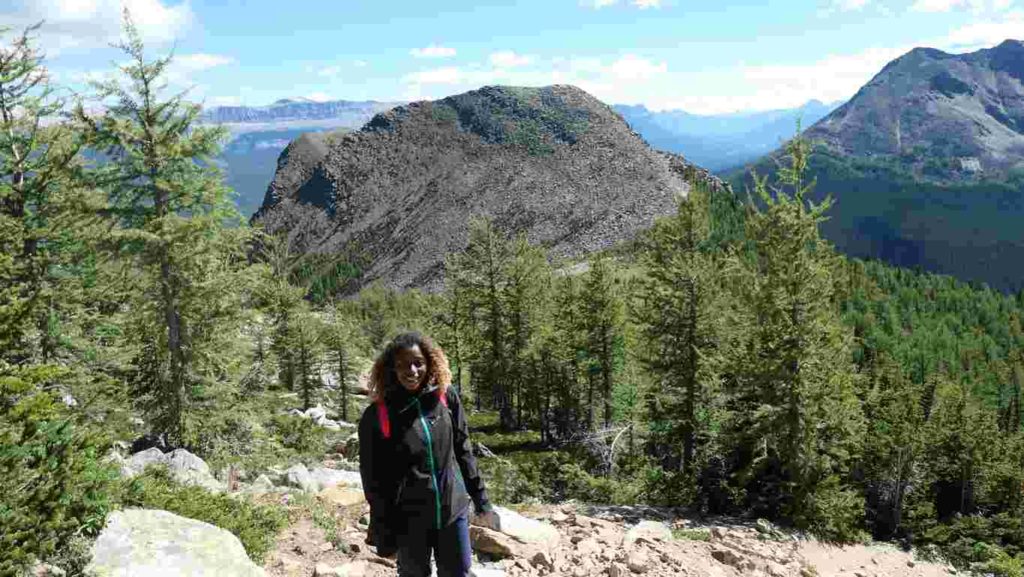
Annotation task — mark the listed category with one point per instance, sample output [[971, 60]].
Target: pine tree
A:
[[481, 271], [676, 313], [526, 274], [603, 320], [797, 423], [183, 259], [38, 163], [342, 339]]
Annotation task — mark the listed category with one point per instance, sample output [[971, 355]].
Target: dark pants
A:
[[450, 546]]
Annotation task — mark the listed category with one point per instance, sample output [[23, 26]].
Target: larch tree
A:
[[38, 163], [174, 235], [676, 312], [603, 318], [798, 422]]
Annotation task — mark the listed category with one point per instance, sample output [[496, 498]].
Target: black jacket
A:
[[399, 473]]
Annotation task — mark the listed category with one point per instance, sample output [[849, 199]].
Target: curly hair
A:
[[382, 375]]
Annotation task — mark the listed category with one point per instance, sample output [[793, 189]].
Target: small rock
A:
[[541, 559], [493, 543], [342, 496], [636, 562], [910, 563], [290, 566], [649, 530], [727, 556], [616, 570], [324, 570], [47, 570], [358, 568]]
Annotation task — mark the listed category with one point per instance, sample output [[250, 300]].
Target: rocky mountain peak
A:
[[553, 162], [943, 116]]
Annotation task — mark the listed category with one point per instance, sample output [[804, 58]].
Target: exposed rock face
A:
[[932, 105], [554, 163], [161, 544]]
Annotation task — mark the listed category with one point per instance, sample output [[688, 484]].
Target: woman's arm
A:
[[377, 485], [464, 455]]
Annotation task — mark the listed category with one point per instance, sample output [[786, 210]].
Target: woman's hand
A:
[[488, 519]]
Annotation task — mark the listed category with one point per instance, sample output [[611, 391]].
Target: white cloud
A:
[[222, 101], [851, 5], [89, 24], [645, 4], [984, 34], [598, 4], [359, 63], [631, 68], [433, 51], [975, 6], [508, 59], [199, 61], [329, 71], [319, 97], [446, 75]]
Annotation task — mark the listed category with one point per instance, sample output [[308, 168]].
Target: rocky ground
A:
[[576, 540]]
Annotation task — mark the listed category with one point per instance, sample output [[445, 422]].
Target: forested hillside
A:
[[727, 360]]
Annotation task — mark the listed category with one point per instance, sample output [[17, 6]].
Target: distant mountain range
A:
[[260, 133], [723, 141], [926, 164], [343, 112]]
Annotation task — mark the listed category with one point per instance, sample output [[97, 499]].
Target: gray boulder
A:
[[185, 467], [524, 529], [298, 476], [138, 462], [650, 531], [327, 478], [320, 478], [153, 543]]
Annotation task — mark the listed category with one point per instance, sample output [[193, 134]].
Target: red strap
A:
[[385, 421]]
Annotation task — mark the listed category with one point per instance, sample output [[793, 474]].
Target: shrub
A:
[[299, 433], [256, 526], [691, 534], [54, 484]]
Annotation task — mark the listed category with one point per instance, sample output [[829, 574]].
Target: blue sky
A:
[[703, 57]]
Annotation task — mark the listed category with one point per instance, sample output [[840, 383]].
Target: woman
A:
[[418, 471]]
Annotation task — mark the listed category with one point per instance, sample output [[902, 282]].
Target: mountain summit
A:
[[553, 162], [945, 116]]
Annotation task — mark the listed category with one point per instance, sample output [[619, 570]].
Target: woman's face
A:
[[411, 367]]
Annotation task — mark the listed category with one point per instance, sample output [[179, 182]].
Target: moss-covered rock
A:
[[158, 543]]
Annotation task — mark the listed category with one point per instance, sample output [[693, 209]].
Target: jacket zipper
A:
[[430, 461]]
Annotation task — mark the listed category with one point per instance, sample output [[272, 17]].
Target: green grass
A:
[[691, 534], [256, 526]]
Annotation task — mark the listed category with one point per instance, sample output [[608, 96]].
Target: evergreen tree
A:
[[797, 423], [481, 272], [526, 274], [676, 313], [603, 320], [342, 340], [184, 261], [38, 163]]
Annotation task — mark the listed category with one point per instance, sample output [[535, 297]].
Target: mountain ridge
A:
[[552, 162]]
